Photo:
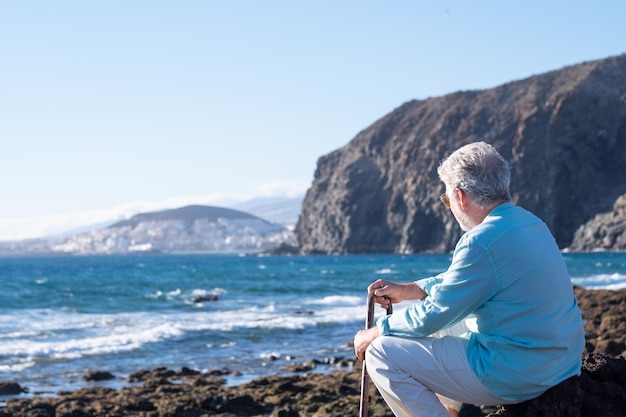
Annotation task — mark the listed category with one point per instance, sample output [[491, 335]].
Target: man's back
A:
[[530, 333]]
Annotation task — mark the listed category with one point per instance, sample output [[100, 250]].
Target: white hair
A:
[[480, 171]]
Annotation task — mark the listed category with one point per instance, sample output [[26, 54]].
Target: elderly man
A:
[[507, 280]]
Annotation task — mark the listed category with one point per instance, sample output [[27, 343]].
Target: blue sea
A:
[[63, 316]]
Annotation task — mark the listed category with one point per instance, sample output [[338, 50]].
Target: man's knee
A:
[[376, 353]]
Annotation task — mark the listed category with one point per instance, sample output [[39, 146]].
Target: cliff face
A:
[[564, 133], [606, 231]]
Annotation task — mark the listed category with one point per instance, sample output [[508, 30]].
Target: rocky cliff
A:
[[606, 231], [564, 133]]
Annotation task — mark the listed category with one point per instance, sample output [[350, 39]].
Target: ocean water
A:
[[62, 316]]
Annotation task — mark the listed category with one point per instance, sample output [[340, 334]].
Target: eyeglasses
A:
[[445, 200]]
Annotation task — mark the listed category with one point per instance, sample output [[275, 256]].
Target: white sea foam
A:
[[270, 355], [177, 294], [613, 281], [385, 271], [29, 336], [610, 287], [66, 335], [88, 335], [345, 300], [19, 365], [199, 292]]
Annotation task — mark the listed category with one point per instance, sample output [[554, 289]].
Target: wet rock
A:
[[299, 367], [599, 391], [139, 376], [283, 249], [605, 320], [98, 376], [302, 313], [285, 412], [40, 409], [220, 372], [205, 298], [11, 388]]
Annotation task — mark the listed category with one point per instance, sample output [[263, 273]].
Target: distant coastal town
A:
[[154, 234]]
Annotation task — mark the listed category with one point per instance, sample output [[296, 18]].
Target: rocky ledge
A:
[[599, 391], [606, 231]]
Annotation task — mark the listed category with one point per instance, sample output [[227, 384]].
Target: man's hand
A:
[[362, 340], [386, 292]]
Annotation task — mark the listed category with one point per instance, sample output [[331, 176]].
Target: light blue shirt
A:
[[509, 274]]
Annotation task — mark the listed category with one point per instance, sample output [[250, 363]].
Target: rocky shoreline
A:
[[599, 391]]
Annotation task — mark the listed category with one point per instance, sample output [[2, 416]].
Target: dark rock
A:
[[283, 249], [203, 298], [605, 320], [303, 312], [284, 412], [139, 376], [219, 372], [599, 391], [40, 409], [300, 367], [564, 133], [208, 380], [11, 388], [98, 376], [469, 410], [187, 372], [164, 376]]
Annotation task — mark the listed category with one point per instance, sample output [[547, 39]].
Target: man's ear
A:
[[462, 198]]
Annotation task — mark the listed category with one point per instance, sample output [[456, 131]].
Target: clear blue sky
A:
[[110, 104]]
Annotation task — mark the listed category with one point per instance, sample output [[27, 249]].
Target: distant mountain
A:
[[280, 210], [186, 214], [190, 229]]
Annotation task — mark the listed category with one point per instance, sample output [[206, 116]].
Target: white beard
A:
[[465, 222]]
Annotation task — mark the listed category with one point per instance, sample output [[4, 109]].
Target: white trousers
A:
[[416, 377]]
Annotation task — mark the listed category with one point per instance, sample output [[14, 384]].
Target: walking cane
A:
[[369, 322]]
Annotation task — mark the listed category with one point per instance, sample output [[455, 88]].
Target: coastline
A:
[[186, 392]]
